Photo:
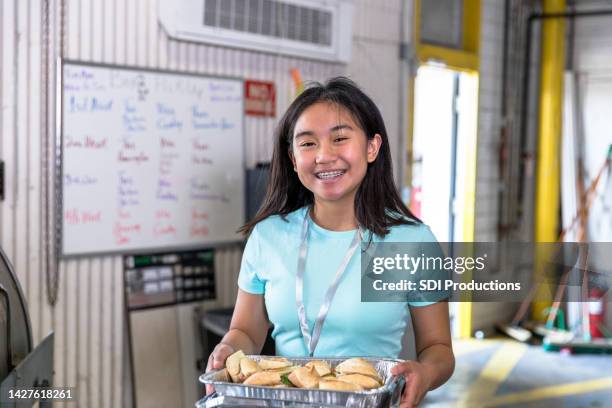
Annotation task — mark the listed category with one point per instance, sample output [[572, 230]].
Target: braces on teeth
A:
[[330, 174]]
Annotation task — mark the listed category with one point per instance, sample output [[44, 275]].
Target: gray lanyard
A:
[[311, 342]]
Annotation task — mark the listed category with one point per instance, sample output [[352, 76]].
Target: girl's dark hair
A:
[[377, 203]]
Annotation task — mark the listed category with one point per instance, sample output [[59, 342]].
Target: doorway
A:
[[444, 157]]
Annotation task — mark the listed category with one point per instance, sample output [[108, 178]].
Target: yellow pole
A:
[[471, 26], [471, 43], [465, 309], [549, 143]]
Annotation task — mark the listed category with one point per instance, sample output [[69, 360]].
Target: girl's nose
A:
[[325, 154]]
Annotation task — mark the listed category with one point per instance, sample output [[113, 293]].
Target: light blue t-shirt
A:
[[352, 327]]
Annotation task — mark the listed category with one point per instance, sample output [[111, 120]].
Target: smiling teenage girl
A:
[[331, 187]]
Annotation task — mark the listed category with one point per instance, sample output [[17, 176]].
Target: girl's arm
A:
[[249, 325], [433, 341], [247, 332], [435, 360]]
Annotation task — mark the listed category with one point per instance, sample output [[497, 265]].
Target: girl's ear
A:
[[373, 147], [292, 159]]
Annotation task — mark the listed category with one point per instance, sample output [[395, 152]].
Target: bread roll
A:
[[321, 367], [303, 377], [363, 380], [336, 385], [265, 378], [273, 363], [232, 363], [248, 367], [224, 376], [357, 366], [284, 370]]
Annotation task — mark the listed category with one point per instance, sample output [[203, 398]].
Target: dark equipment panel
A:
[[256, 185], [169, 279]]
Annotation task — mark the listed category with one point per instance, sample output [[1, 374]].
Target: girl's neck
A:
[[334, 216]]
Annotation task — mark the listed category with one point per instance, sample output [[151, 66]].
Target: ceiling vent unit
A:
[[313, 29]]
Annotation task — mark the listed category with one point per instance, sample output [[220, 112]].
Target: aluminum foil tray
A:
[[388, 395], [214, 400]]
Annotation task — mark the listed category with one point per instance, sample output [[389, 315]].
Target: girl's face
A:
[[330, 152]]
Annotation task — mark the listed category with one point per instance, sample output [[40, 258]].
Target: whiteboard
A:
[[149, 160]]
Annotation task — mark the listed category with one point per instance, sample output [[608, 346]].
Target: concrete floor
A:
[[505, 373]]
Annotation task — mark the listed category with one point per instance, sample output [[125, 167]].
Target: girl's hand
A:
[[217, 359], [417, 382]]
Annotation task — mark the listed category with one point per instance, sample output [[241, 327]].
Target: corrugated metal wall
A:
[[88, 316]]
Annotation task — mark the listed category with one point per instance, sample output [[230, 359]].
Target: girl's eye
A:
[[306, 144], [340, 139]]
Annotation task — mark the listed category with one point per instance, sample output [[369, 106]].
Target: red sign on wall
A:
[[260, 98]]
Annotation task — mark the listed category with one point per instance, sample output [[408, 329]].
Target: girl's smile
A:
[[330, 152], [330, 175]]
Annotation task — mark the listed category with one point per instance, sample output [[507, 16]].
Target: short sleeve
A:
[[248, 279], [431, 248]]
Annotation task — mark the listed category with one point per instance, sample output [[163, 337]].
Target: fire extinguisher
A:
[[597, 311]]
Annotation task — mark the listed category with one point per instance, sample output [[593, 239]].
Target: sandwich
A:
[[248, 367], [264, 378], [362, 380], [284, 370], [321, 367], [224, 376], [336, 385], [232, 363], [273, 363], [240, 367], [354, 374], [303, 377], [357, 366]]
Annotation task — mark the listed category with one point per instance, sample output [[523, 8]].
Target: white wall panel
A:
[[21, 118], [375, 64], [8, 148], [4, 34]]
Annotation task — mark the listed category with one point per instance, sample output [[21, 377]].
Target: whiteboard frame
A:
[[59, 168]]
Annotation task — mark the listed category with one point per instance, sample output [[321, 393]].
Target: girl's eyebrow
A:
[[334, 129], [340, 127]]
